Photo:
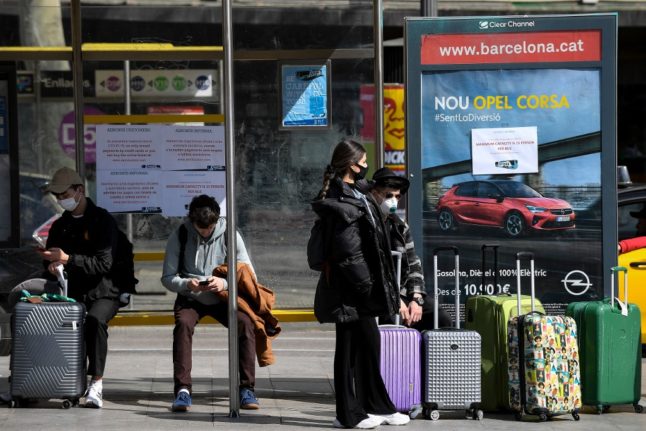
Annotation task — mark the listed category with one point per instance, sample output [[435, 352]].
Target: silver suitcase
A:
[[451, 359], [48, 352]]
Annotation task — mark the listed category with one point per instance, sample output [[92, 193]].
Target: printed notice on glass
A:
[[304, 95], [179, 187], [127, 147], [508, 151], [131, 191], [193, 148]]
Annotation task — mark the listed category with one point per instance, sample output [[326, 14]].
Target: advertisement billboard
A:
[[511, 125]]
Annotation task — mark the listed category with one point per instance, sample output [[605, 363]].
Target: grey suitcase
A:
[[48, 352], [451, 359]]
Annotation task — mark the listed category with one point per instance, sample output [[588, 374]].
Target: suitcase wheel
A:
[[543, 417], [575, 415], [415, 411], [67, 404], [434, 415], [638, 408]]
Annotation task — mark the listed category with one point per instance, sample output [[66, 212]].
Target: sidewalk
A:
[[295, 394]]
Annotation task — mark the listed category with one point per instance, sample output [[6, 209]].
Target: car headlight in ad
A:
[[535, 210]]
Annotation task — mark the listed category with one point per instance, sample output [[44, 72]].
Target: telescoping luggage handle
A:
[[484, 248], [436, 310], [616, 270], [527, 256], [397, 256]]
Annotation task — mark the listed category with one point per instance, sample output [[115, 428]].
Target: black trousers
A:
[[187, 313], [428, 312], [99, 313], [357, 381]]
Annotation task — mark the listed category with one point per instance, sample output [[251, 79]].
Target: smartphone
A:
[[204, 282], [39, 240]]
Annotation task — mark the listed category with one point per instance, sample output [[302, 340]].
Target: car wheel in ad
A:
[[446, 221], [514, 224]]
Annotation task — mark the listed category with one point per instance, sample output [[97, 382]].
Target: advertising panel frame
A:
[[606, 65], [10, 129], [285, 69]]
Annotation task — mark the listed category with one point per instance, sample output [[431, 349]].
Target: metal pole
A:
[[229, 136], [429, 8], [378, 31], [77, 78], [128, 110]]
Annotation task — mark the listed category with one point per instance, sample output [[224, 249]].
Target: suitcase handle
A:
[[615, 270], [484, 248], [436, 307], [519, 256], [452, 248]]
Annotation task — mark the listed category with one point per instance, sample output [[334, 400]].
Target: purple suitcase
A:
[[400, 361], [400, 366]]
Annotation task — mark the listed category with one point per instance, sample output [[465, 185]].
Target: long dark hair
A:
[[346, 153]]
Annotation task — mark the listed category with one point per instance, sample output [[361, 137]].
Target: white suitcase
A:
[[451, 360]]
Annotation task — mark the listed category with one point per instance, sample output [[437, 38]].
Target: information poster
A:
[[514, 117], [158, 168], [304, 91]]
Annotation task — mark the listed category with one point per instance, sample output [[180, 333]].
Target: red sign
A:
[[552, 46]]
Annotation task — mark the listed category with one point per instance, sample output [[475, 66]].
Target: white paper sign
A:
[[193, 147], [128, 147], [181, 186], [510, 151], [130, 190]]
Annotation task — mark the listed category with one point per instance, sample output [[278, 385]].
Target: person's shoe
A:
[[248, 400], [94, 395], [370, 422], [393, 419], [183, 402]]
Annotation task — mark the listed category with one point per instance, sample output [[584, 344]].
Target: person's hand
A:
[[403, 311], [54, 254], [52, 267], [415, 312], [215, 285]]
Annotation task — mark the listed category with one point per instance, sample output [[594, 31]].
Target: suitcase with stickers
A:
[[543, 370], [489, 314]]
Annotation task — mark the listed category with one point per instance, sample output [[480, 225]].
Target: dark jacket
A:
[[358, 279], [91, 242], [412, 275]]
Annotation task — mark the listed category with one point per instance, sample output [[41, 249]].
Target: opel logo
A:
[[576, 282]]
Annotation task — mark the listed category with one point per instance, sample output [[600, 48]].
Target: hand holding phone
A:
[[204, 283]]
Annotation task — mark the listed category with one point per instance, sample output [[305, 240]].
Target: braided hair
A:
[[346, 153]]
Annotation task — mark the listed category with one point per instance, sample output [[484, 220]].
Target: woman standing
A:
[[356, 285]]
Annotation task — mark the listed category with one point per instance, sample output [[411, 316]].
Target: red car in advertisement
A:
[[512, 206]]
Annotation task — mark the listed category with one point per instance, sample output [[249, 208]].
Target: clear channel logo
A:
[[483, 25]]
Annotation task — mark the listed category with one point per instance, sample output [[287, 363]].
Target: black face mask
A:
[[362, 172]]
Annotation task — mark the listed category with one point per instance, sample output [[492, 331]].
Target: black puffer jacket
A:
[[358, 280]]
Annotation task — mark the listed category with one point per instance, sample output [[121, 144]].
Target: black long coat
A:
[[358, 278]]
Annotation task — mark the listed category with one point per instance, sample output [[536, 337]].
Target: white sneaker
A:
[[394, 419], [94, 395], [368, 423]]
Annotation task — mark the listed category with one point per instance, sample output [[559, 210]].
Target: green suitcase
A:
[[489, 314], [610, 350]]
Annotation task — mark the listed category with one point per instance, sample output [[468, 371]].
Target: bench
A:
[[165, 317]]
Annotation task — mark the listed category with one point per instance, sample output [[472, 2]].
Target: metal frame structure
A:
[[80, 52]]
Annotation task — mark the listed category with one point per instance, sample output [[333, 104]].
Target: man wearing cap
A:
[[84, 240], [416, 309]]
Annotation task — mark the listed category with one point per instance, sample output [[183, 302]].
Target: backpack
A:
[[123, 268], [317, 247]]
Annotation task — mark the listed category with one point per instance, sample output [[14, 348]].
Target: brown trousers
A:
[[187, 313]]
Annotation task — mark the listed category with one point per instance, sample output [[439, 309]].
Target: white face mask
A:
[[69, 204], [389, 206]]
